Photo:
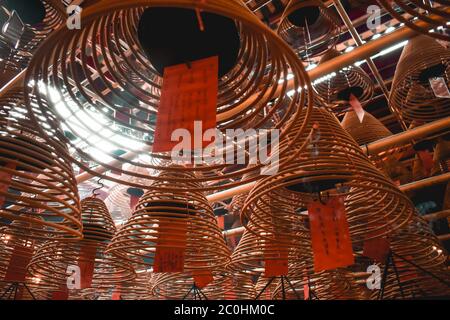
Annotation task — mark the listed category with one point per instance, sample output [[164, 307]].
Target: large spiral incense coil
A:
[[52, 258], [436, 14], [309, 27], [177, 286], [105, 74], [177, 219], [334, 90], [16, 47], [332, 164], [36, 178], [423, 59]]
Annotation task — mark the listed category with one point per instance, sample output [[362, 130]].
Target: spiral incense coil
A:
[[104, 70], [177, 286], [335, 89], [118, 202], [435, 15], [369, 130], [36, 178], [239, 287], [253, 252], [51, 260], [327, 285], [332, 164], [162, 218], [422, 59], [16, 57], [262, 283], [309, 27]]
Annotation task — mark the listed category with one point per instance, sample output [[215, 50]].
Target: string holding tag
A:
[[201, 25]]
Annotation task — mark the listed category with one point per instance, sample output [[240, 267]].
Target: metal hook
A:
[[101, 185]]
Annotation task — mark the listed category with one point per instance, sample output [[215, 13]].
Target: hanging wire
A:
[[101, 186]]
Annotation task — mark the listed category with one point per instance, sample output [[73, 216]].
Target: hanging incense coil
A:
[[309, 27], [175, 219], [16, 57], [331, 164], [416, 243], [52, 258], [422, 59], [369, 130], [119, 80], [334, 90], [37, 182], [435, 14]]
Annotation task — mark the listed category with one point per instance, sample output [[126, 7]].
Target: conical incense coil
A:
[[367, 131], [52, 259], [120, 81], [416, 243], [423, 59], [335, 89], [330, 165], [36, 178], [435, 14], [327, 285], [309, 27], [174, 220]]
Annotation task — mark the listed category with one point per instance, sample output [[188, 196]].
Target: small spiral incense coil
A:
[[17, 47], [309, 27], [118, 202], [180, 286], [331, 164], [52, 259], [239, 287], [107, 75], [369, 130], [172, 220], [252, 253], [334, 90], [262, 283], [36, 178], [435, 14], [423, 59]]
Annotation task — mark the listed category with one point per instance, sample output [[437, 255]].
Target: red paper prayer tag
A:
[[202, 278], [86, 262], [116, 295], [62, 294], [134, 200], [5, 181], [305, 289], [189, 94], [357, 107], [171, 246], [17, 267], [377, 249], [427, 161], [221, 222], [275, 259], [331, 243]]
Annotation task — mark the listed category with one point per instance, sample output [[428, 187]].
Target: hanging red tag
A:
[[427, 161], [116, 295], [221, 222], [86, 262], [134, 200], [62, 294], [275, 259], [188, 94], [5, 181], [171, 246], [330, 235], [202, 278], [357, 107], [377, 248], [305, 289], [17, 267]]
